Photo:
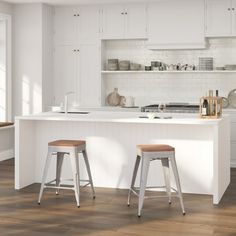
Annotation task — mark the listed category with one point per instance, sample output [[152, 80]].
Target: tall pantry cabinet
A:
[[77, 55]]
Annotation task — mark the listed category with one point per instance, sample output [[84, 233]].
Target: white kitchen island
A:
[[202, 148]]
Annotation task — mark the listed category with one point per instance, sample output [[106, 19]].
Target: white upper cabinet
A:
[[124, 22], [176, 24], [65, 25], [65, 72], [89, 24], [219, 17], [74, 25]]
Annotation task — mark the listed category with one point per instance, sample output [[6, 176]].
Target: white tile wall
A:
[[187, 87]]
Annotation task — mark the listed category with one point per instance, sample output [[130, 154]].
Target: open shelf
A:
[[166, 72]]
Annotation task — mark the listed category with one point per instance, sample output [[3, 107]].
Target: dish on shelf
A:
[[232, 98], [230, 67], [225, 102]]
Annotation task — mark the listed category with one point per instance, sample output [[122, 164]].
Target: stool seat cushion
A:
[[67, 143], [155, 148]]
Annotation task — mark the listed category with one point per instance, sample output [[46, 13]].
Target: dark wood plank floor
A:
[[108, 213]]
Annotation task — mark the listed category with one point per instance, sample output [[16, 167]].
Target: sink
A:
[[76, 112]]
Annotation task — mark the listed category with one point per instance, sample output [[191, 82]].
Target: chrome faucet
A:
[[66, 101]]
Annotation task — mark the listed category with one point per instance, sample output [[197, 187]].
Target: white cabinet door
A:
[[64, 72], [233, 12], [88, 25], [136, 21], [89, 75], [218, 18], [113, 22], [176, 24], [65, 25]]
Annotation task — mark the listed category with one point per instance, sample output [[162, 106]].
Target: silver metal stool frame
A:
[[73, 153], [146, 157]]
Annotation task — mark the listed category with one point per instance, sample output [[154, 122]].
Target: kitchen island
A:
[[202, 148]]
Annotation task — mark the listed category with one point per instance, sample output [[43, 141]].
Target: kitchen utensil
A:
[[205, 63], [113, 99], [232, 98], [124, 65], [230, 67], [135, 66], [148, 68], [129, 102], [113, 64]]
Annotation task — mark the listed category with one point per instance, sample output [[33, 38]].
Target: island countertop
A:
[[123, 117]]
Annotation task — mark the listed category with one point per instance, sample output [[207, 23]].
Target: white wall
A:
[[149, 89], [27, 58], [47, 80]]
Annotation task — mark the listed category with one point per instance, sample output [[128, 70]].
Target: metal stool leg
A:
[[133, 178], [45, 172], [175, 171], [143, 183], [166, 171], [89, 172], [60, 157], [75, 170]]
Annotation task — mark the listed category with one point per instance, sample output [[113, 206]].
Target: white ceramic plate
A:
[[225, 102], [232, 98]]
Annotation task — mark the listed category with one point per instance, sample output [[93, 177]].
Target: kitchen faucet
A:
[[66, 101]]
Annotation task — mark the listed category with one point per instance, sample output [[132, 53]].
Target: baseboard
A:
[[5, 155], [233, 163]]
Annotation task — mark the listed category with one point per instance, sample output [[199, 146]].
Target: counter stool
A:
[[153, 152], [70, 148]]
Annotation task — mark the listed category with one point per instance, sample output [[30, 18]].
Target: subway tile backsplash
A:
[[170, 87]]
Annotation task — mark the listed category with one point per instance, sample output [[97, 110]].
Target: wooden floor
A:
[[108, 213]]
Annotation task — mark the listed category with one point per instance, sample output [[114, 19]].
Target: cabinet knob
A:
[[74, 50], [229, 9], [122, 13], [233, 8], [126, 13], [74, 14], [77, 50], [77, 14]]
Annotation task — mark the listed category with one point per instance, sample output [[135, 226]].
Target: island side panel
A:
[[24, 153], [112, 151], [222, 159]]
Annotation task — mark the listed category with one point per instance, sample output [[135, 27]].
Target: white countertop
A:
[[121, 117]]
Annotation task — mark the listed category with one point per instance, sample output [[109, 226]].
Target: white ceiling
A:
[[75, 2]]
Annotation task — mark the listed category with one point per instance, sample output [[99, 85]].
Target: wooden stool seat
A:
[[67, 143], [155, 148]]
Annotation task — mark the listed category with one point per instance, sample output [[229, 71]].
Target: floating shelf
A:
[[167, 72]]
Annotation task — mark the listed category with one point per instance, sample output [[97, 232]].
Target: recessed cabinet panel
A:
[[136, 23], [89, 74], [88, 29], [113, 22], [176, 24], [65, 25], [218, 17], [65, 64]]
